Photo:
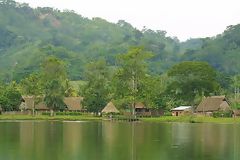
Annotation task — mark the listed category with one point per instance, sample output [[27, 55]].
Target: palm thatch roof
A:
[[73, 103], [236, 112], [110, 108], [29, 103], [139, 105], [213, 103]]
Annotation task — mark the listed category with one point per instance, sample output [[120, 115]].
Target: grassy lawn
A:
[[192, 119], [46, 117]]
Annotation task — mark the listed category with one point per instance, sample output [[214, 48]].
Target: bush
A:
[[63, 113], [46, 113], [167, 113], [69, 113], [222, 114]]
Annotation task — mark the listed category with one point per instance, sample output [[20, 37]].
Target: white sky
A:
[[181, 18]]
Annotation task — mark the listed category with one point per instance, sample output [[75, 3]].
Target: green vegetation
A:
[[28, 35], [43, 50], [191, 119], [10, 97], [84, 117], [222, 114], [96, 91], [190, 79], [129, 78], [47, 117], [54, 76]]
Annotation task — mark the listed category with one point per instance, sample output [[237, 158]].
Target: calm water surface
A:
[[33, 140]]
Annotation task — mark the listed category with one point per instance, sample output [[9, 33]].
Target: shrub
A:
[[167, 113], [69, 113], [222, 114], [46, 113]]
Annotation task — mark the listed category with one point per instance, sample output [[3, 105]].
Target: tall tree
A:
[[132, 70], [54, 76], [96, 91], [54, 95], [32, 86], [10, 97], [153, 91], [236, 87]]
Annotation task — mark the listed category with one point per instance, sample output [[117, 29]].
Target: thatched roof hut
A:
[[110, 108], [213, 103], [73, 103], [139, 105], [141, 109], [236, 113], [29, 103]]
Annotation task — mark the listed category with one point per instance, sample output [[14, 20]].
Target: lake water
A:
[[33, 140]]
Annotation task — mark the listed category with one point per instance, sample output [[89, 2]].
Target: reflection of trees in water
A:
[[236, 142], [72, 138], [41, 140], [212, 141], [118, 141], [151, 141], [9, 140]]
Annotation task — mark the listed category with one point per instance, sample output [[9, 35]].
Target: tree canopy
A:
[[190, 79]]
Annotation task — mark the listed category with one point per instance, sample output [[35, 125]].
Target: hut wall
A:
[[157, 112], [177, 113]]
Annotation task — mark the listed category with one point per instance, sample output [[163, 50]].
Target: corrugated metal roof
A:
[[181, 108]]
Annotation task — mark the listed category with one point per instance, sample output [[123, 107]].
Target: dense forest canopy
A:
[[28, 35]]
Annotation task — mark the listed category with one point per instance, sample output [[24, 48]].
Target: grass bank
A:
[[185, 119], [192, 119], [46, 117]]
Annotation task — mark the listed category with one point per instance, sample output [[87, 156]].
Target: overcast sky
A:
[[182, 18]]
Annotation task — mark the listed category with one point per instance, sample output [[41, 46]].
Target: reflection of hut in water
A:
[[181, 133], [72, 137], [110, 108], [212, 104]]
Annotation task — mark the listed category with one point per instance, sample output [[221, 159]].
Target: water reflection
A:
[[30, 140]]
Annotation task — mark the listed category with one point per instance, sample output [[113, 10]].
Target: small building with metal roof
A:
[[181, 110]]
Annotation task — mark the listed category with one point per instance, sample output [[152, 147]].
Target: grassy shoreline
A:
[[49, 118], [192, 119], [166, 119]]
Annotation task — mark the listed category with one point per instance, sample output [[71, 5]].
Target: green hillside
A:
[[222, 51], [27, 36]]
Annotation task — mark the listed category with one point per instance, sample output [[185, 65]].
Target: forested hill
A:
[[28, 35], [222, 51]]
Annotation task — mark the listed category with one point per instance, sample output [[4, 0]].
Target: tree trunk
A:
[[134, 90], [51, 112], [33, 110]]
